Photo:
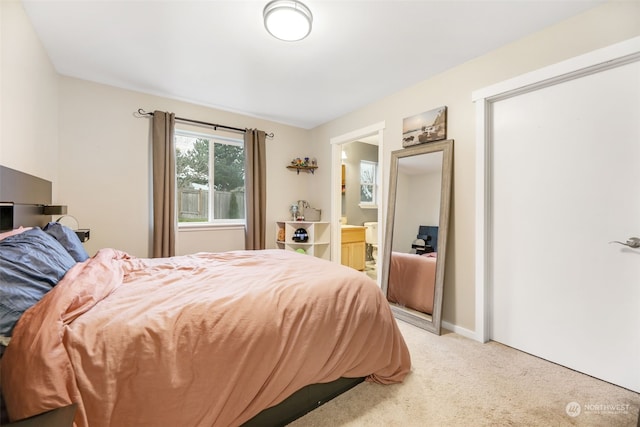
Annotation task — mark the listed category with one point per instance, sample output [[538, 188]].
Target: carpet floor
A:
[[456, 381]]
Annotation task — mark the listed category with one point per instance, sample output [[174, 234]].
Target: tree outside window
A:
[[368, 179], [209, 178]]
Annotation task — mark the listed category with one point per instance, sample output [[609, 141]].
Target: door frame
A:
[[336, 177], [601, 59]]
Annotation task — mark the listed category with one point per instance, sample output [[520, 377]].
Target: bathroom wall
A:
[[356, 151]]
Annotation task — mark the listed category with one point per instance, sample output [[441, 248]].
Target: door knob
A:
[[632, 242]]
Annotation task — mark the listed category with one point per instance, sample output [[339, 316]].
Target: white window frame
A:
[[373, 204], [215, 223]]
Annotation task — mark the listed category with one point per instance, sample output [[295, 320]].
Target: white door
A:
[[566, 182]]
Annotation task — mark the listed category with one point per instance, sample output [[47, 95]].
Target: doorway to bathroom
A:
[[357, 206]]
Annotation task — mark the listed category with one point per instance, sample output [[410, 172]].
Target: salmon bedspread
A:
[[209, 339], [412, 280]]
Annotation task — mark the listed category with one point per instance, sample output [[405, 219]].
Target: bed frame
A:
[[302, 402], [21, 199], [295, 406]]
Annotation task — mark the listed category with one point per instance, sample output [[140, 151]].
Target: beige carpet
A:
[[456, 381]]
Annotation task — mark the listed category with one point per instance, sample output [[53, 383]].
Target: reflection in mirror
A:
[[417, 228]]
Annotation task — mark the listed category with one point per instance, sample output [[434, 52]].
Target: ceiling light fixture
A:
[[287, 20]]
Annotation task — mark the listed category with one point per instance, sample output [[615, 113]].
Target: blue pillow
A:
[[68, 239], [31, 264]]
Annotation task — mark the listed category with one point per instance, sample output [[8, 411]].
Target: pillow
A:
[[68, 239], [13, 232], [31, 264]]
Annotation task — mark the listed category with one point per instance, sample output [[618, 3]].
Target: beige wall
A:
[[28, 98], [599, 27], [104, 166]]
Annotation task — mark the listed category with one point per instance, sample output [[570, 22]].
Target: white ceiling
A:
[[217, 53]]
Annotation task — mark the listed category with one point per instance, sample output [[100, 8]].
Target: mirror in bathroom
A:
[[414, 258]]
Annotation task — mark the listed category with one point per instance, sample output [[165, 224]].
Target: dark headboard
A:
[[22, 197]]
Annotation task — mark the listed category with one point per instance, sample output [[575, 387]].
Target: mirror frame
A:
[[410, 316]]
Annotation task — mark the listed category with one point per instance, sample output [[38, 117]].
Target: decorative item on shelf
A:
[[312, 214], [300, 235], [306, 163], [302, 205], [281, 235], [294, 211], [301, 251], [429, 126], [299, 162]]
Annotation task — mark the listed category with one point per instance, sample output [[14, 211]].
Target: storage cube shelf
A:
[[319, 237]]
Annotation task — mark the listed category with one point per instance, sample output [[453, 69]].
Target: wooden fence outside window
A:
[[193, 205]]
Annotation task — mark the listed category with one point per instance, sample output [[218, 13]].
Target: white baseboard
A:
[[460, 330]]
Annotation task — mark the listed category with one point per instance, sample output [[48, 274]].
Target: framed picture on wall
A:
[[426, 127]]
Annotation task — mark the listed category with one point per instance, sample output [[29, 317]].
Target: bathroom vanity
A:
[[353, 247]]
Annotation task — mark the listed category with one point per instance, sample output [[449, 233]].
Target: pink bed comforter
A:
[[411, 280], [200, 340]]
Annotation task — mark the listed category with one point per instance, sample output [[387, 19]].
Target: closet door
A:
[[565, 184]]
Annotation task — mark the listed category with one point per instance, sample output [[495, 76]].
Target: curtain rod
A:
[[215, 126]]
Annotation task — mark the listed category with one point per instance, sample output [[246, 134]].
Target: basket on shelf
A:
[[312, 214]]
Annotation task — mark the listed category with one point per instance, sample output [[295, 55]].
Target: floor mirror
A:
[[413, 263]]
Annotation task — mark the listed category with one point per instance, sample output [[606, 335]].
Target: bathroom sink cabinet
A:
[[353, 247]]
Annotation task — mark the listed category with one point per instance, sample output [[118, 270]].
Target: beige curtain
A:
[[255, 187], [164, 196]]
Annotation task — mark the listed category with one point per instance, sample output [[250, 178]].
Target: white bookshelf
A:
[[319, 237]]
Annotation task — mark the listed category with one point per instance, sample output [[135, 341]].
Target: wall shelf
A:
[[311, 169]]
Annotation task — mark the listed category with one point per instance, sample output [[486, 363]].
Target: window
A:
[[209, 179], [368, 179]]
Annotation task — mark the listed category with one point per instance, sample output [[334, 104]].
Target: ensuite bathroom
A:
[[359, 207]]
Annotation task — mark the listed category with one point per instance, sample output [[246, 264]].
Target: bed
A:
[[229, 339], [411, 280]]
